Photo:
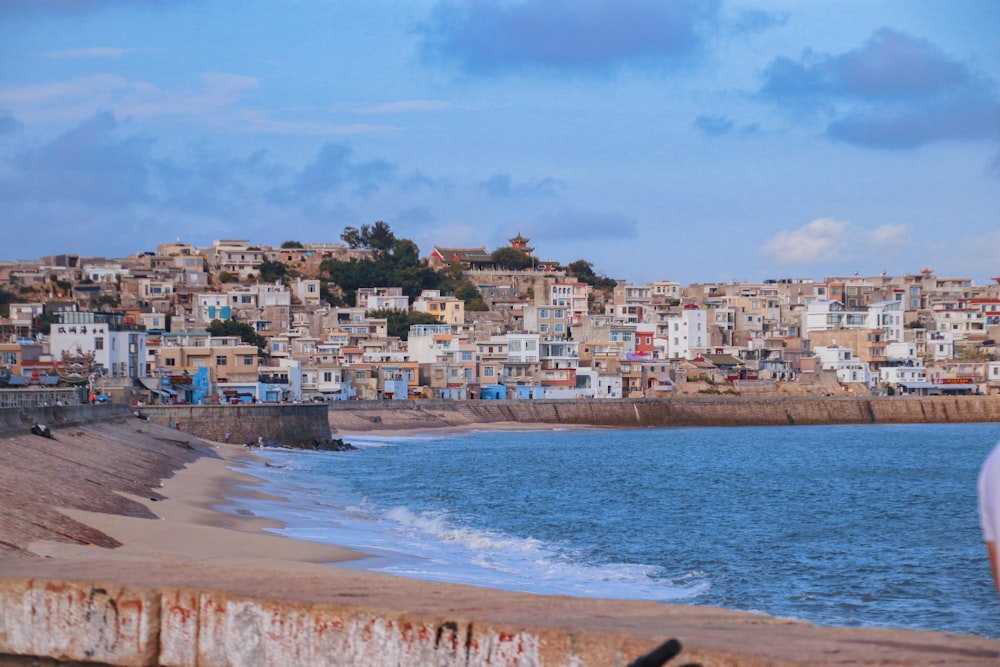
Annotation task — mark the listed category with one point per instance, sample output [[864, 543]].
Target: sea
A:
[[856, 525]]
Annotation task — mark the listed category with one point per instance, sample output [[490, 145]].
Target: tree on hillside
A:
[[393, 263], [398, 322], [272, 271], [584, 272], [453, 280], [290, 245], [513, 259], [377, 237], [6, 298], [245, 331]]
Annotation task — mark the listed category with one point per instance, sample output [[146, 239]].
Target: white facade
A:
[[823, 315], [887, 316], [212, 306], [686, 333], [382, 298], [849, 368], [940, 345], [119, 348], [105, 274], [430, 343], [523, 348]]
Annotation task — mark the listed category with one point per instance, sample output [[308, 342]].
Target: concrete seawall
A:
[[302, 425], [688, 411], [18, 419], [294, 425]]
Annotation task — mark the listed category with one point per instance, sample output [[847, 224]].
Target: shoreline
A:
[[197, 551], [190, 517]]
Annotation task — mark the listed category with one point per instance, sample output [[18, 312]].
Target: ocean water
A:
[[835, 525]]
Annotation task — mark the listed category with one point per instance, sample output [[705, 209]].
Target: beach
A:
[[231, 580]]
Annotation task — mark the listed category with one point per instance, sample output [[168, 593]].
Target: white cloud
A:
[[216, 99], [827, 240], [406, 106], [889, 235], [820, 240], [93, 52]]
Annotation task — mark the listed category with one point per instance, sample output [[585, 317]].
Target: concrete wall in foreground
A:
[[128, 625]]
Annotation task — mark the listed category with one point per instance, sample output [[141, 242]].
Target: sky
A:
[[686, 140]]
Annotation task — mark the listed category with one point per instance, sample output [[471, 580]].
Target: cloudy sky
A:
[[681, 140]]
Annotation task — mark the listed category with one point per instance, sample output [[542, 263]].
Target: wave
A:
[[450, 552]]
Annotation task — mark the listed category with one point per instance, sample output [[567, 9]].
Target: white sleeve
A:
[[989, 496]]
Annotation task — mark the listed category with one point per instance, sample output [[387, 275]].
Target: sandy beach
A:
[[190, 528], [190, 541]]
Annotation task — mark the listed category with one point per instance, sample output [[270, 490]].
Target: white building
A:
[[382, 298], [118, 347], [686, 332], [940, 345], [887, 316], [431, 343], [849, 369]]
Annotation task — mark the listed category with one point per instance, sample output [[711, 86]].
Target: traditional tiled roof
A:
[[464, 255]]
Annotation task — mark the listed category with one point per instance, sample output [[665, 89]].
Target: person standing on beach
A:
[[989, 509]]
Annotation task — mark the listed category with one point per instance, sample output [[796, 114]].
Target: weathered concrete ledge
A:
[[682, 411], [16, 419], [203, 616], [290, 424]]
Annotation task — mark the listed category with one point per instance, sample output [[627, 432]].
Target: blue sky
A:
[[685, 140]]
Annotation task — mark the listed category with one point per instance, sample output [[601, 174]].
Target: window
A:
[[99, 343], [560, 328], [559, 313], [466, 356], [248, 360], [543, 328], [489, 371], [327, 376], [170, 362], [220, 360], [543, 313]]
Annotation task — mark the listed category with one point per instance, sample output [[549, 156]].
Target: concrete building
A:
[[118, 347]]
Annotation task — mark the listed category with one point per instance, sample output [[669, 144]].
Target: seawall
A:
[[18, 419], [687, 411], [291, 424]]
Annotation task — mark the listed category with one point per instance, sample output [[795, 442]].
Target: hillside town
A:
[[238, 322]]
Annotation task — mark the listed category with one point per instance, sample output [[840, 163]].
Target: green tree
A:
[[398, 322], [6, 298], [227, 277], [377, 237], [513, 259], [393, 263], [453, 280], [289, 245], [245, 331], [272, 271], [584, 272]]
